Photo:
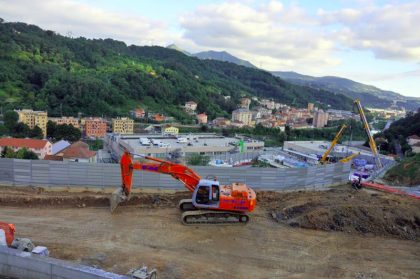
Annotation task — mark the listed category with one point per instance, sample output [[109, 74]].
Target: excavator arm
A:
[[180, 172]]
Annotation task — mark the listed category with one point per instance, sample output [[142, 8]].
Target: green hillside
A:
[[46, 71], [407, 172]]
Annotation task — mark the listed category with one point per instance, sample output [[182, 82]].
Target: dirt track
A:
[[78, 227]]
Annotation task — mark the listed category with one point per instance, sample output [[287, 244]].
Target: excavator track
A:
[[210, 217]]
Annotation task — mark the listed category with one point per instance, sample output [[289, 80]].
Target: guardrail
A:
[[52, 173]]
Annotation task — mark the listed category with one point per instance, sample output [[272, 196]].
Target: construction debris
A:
[[143, 273], [23, 244]]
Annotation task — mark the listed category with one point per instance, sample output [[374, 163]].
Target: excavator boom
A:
[[180, 172]]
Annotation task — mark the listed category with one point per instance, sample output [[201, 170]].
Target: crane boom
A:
[[333, 143], [372, 143]]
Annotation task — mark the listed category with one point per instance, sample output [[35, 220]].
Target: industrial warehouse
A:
[[161, 145]]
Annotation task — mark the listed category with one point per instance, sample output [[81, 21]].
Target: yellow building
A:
[[65, 120], [34, 118], [171, 130], [123, 125]]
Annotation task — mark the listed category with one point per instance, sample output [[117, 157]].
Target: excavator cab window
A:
[[215, 193], [203, 195]]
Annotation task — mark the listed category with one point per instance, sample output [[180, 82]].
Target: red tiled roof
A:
[[416, 144], [414, 137], [28, 143], [78, 150]]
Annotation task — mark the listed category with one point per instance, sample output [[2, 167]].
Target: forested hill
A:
[[46, 71]]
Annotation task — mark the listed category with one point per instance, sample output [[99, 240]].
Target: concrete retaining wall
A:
[[51, 173], [24, 265]]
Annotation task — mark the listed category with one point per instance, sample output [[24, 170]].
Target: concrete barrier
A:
[[24, 265]]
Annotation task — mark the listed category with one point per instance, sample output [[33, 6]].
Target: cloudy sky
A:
[[374, 42]]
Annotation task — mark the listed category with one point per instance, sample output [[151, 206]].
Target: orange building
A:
[[158, 117], [202, 118], [95, 127]]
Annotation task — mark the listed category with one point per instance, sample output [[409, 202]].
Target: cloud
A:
[[390, 31], [85, 20], [273, 34]]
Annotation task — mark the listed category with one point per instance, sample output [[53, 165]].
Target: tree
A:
[[3, 130], [10, 120], [8, 153], [36, 133], [196, 159], [51, 128], [21, 130]]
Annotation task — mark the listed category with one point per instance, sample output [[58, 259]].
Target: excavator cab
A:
[[207, 194]]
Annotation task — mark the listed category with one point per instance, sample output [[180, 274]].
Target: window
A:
[[215, 193], [203, 195]]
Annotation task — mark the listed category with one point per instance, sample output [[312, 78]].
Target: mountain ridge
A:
[[368, 94]]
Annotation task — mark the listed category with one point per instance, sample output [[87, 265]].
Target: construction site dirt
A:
[[337, 233]]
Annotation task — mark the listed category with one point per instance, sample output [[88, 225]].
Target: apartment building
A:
[[34, 118], [65, 120], [242, 115], [320, 119], [95, 127], [123, 125]]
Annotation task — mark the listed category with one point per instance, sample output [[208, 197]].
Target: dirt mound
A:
[[348, 210], [38, 197]]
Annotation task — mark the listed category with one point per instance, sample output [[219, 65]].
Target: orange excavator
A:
[[211, 203]]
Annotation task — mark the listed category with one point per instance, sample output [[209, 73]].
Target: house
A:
[[58, 146], [190, 106], [244, 102], [78, 152], [202, 118], [158, 117], [221, 122], [139, 113], [39, 147], [416, 147], [171, 131], [412, 140]]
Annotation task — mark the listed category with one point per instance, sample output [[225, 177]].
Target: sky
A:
[[369, 41]]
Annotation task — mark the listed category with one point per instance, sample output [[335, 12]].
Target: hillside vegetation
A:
[[407, 172], [46, 71], [398, 133]]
